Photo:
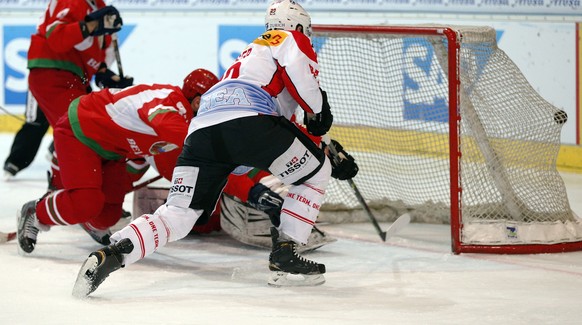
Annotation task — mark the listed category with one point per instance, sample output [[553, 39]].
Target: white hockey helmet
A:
[[287, 15]]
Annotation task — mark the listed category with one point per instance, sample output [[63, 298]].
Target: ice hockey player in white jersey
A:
[[251, 203], [244, 121]]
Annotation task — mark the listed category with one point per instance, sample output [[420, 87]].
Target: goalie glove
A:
[[343, 165], [262, 198], [108, 18], [319, 123], [105, 78]]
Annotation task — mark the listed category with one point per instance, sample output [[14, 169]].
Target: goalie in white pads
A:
[[249, 220], [244, 121]]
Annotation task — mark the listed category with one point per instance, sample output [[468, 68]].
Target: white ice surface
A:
[[411, 279]]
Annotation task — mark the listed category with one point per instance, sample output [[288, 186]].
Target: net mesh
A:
[[389, 94]]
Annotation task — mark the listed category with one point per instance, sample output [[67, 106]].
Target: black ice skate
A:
[[28, 228], [10, 170], [100, 236], [290, 269], [99, 265]]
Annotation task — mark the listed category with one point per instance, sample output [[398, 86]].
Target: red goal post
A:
[[444, 125]]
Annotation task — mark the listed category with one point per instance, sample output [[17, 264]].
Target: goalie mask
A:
[[287, 15], [197, 83]]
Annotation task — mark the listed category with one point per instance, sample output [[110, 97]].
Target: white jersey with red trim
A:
[[272, 76]]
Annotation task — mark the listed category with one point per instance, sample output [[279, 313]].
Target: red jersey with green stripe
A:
[[136, 122], [59, 44]]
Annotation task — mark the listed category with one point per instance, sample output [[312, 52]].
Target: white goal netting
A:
[[390, 93]]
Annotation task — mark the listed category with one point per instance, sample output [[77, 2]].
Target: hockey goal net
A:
[[445, 126]]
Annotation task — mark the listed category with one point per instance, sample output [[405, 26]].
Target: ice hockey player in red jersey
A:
[[244, 121], [71, 45], [68, 49], [101, 132]]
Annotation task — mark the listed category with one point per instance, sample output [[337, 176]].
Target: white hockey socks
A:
[[151, 231], [301, 205]]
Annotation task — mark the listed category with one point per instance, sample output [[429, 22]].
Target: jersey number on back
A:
[[234, 71]]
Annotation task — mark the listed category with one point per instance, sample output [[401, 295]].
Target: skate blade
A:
[[83, 285], [284, 279], [20, 251]]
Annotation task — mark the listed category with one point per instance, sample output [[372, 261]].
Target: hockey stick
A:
[[6, 237], [359, 196], [398, 225], [11, 114], [145, 183], [117, 55]]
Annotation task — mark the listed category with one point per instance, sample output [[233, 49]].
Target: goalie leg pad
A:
[[317, 239], [245, 223], [252, 227], [147, 200]]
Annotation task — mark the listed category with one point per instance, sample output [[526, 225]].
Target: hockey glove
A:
[[319, 123], [343, 166], [108, 18], [105, 78], [262, 198]]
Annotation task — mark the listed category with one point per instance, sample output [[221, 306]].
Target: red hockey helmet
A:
[[198, 82]]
